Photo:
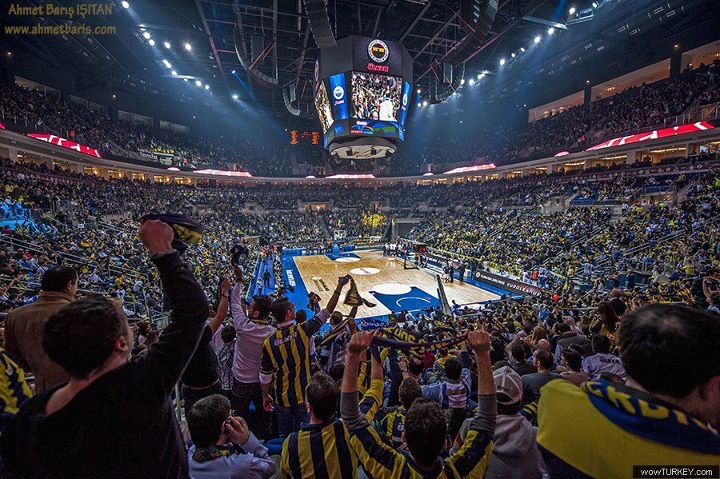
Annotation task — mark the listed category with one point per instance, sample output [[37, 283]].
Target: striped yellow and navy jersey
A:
[[622, 427], [392, 426], [14, 390], [287, 354], [380, 460], [323, 450]]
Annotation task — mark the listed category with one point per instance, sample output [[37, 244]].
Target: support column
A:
[[12, 154], [587, 93], [631, 157], [675, 61]]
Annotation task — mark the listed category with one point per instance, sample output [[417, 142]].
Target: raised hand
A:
[[360, 342], [156, 235], [225, 286], [479, 341], [343, 280]]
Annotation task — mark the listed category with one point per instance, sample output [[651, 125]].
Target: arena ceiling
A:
[[280, 48]]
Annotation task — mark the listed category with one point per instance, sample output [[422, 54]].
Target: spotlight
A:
[[419, 104], [551, 30], [151, 42], [537, 39], [174, 73], [146, 35], [188, 47], [479, 76], [472, 81], [198, 83], [482, 75], [185, 79], [419, 91], [233, 72], [207, 87], [125, 4], [235, 97], [595, 4], [572, 11], [114, 96], [522, 49], [167, 63], [167, 45], [512, 54], [462, 82], [502, 61], [425, 103]]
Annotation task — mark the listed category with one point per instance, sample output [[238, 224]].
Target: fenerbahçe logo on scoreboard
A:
[[338, 92], [378, 51]]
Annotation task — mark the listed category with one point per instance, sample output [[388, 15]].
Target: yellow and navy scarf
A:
[[644, 415]]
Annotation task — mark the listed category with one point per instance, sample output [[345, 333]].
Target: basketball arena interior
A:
[[360, 239]]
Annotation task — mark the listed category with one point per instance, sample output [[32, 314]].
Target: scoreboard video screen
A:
[[378, 75]]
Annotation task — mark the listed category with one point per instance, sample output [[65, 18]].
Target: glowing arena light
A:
[[167, 45], [151, 42], [537, 39], [502, 61], [562, 153], [125, 4], [462, 82], [235, 96], [188, 47], [472, 81], [167, 63], [419, 104], [146, 35], [172, 168], [428, 174], [425, 103], [198, 83], [352, 177], [482, 75], [469, 169], [512, 54], [310, 177], [174, 73], [522, 49], [237, 174], [551, 30], [233, 72], [207, 87], [572, 10]]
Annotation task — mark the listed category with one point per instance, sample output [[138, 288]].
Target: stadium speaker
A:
[[480, 14], [319, 20], [257, 45], [447, 72]]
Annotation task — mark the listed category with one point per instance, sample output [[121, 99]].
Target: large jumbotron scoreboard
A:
[[363, 88]]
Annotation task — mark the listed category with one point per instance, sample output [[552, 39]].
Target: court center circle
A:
[[364, 271]]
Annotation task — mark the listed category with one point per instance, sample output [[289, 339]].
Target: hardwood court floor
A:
[[383, 274]]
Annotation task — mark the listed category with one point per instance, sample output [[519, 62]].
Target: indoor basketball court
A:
[[380, 279]]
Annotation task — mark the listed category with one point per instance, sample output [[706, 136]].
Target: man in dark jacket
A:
[[114, 418]]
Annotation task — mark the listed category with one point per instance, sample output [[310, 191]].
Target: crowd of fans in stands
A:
[[577, 127], [265, 393]]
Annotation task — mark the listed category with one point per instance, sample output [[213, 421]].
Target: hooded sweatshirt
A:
[[515, 453]]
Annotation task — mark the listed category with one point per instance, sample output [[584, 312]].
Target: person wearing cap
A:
[[515, 452]]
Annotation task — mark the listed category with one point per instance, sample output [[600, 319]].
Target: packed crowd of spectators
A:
[[577, 127], [505, 372]]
